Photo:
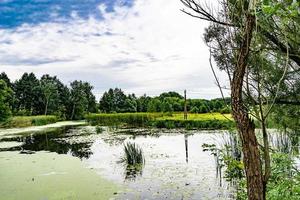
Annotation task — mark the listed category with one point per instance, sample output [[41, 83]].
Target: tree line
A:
[[49, 96], [114, 100], [46, 96]]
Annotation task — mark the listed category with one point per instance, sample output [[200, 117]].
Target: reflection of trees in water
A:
[[47, 141], [186, 143]]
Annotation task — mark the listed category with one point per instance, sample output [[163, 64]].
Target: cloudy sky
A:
[[141, 46]]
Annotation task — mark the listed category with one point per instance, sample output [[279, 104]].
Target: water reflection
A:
[[53, 141], [132, 172], [176, 166], [186, 148]]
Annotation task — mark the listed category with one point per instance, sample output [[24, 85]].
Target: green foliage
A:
[[194, 110], [43, 120], [25, 121], [285, 117], [142, 103], [154, 105], [234, 169], [116, 101], [5, 94], [129, 119], [28, 93], [133, 154], [48, 95], [82, 100], [49, 90], [164, 95], [225, 110], [228, 154], [284, 182], [285, 178]]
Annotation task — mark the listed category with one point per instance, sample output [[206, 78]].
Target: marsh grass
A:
[[197, 116], [133, 155], [193, 124], [119, 119], [25, 121], [163, 120]]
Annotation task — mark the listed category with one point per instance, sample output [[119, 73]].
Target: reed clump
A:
[[133, 155]]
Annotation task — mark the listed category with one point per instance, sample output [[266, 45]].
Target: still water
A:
[[74, 162]]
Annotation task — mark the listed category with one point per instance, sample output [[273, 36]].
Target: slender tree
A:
[[5, 94]]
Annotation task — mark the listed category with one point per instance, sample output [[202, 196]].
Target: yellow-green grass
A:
[[112, 119], [25, 121], [198, 117], [163, 120]]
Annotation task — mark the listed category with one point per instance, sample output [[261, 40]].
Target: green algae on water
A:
[[50, 176]]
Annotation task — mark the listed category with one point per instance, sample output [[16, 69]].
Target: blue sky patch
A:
[[14, 13]]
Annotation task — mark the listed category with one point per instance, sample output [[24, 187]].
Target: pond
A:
[[74, 162]]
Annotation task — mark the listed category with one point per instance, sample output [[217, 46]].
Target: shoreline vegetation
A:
[[27, 121], [206, 121]]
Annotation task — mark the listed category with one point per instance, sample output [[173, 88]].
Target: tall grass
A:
[[162, 120], [25, 121], [129, 119], [198, 116], [133, 154], [193, 124]]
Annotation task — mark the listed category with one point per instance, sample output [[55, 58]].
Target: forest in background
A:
[[29, 96]]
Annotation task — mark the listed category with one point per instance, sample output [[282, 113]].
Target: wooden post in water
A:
[[185, 108]]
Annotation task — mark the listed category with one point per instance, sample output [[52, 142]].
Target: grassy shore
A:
[[163, 120], [25, 121]]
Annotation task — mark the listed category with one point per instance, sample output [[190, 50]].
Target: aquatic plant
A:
[[133, 155], [99, 129]]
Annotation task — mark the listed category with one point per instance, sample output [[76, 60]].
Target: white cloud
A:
[[150, 48]]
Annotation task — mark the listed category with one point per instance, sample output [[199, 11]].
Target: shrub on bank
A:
[[25, 121]]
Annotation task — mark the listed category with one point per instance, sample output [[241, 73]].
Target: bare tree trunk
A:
[[245, 125], [73, 110]]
